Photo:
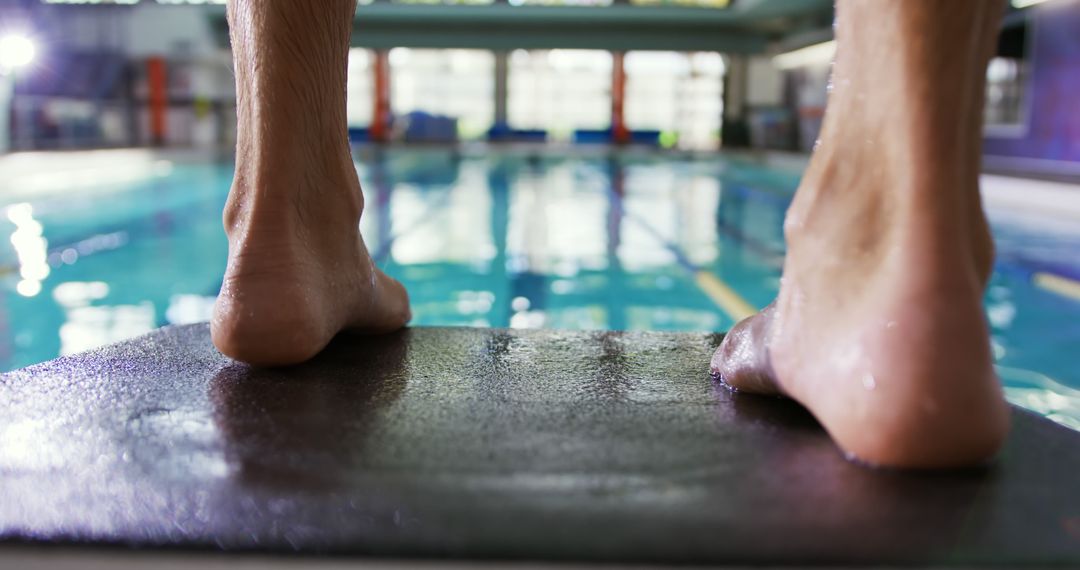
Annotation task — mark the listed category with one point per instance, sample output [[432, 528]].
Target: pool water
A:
[[500, 239]]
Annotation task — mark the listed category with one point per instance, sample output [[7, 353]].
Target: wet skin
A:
[[878, 327], [298, 271]]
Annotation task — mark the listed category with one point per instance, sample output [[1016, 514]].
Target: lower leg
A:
[[298, 270], [878, 328]]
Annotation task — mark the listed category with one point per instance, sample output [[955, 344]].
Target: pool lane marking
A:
[[716, 289], [723, 295], [1057, 284]]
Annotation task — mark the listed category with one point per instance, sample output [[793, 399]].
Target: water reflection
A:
[[30, 247], [88, 326], [1041, 393], [189, 309], [509, 238]]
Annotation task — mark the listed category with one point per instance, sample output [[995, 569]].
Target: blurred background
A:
[[578, 164]]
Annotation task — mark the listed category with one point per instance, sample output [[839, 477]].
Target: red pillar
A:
[[157, 86], [619, 133], [380, 120]]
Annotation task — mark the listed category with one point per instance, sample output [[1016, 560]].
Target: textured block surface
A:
[[469, 443]]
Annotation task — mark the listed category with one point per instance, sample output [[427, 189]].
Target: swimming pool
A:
[[115, 247]]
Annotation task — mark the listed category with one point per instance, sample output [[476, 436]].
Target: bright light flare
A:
[[16, 51]]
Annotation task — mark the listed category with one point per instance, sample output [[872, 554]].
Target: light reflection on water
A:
[[30, 248], [500, 240], [1042, 394]]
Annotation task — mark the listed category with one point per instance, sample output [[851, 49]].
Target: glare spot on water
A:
[[997, 348], [87, 326], [1041, 393], [30, 247], [20, 214], [79, 294], [187, 309], [1001, 314], [28, 288], [997, 292], [566, 268], [520, 304], [562, 286], [527, 320], [163, 168], [473, 302]]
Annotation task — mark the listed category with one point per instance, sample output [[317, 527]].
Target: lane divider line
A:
[[1057, 284], [723, 295], [716, 289]]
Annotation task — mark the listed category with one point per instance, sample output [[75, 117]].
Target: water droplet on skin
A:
[[869, 382]]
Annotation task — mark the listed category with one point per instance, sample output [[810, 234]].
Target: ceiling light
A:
[[16, 50]]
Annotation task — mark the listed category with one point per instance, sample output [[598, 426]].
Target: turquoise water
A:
[[488, 240]]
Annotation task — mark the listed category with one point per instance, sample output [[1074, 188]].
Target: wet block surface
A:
[[492, 444]]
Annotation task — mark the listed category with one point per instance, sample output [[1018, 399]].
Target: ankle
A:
[[266, 197], [858, 203]]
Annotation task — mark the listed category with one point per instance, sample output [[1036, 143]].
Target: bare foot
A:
[[291, 285], [878, 328], [298, 270], [879, 331]]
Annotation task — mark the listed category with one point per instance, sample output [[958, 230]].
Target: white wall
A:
[[5, 113], [155, 29], [765, 82], [142, 30]]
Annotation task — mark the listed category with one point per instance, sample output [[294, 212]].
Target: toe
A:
[[742, 360], [389, 307]]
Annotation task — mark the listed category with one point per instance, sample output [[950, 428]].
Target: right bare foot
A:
[[298, 270], [878, 328]]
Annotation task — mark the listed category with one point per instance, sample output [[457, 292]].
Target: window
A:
[[678, 94], [560, 90], [360, 102], [454, 83], [1006, 110], [1006, 81]]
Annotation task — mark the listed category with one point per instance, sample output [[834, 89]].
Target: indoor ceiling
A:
[[746, 26]]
